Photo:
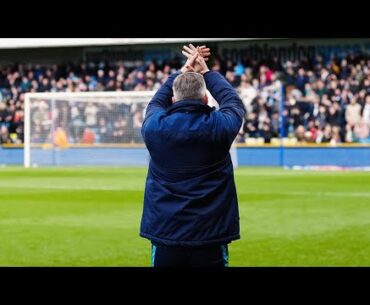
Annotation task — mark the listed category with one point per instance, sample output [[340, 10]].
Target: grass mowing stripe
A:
[[91, 217]]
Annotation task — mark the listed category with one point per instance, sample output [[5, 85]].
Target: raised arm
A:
[[231, 106], [232, 109], [162, 99]]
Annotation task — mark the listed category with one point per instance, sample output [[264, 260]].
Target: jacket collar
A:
[[189, 106]]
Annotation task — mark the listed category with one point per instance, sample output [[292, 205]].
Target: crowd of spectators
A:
[[326, 101]]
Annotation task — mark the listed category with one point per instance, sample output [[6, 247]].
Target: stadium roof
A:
[[16, 43]]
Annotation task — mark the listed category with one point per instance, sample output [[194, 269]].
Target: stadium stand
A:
[[327, 100]]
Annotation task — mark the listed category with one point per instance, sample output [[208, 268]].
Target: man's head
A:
[[189, 85]]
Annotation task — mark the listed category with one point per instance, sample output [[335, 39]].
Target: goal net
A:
[[87, 129]]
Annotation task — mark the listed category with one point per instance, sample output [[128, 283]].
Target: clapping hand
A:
[[197, 57]]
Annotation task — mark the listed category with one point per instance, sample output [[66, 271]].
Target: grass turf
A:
[[91, 217]]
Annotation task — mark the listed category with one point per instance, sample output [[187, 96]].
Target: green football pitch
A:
[[91, 217]]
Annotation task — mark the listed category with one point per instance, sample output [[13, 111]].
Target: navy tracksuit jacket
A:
[[190, 197]]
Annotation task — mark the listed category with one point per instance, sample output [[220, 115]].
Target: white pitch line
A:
[[70, 187], [338, 194]]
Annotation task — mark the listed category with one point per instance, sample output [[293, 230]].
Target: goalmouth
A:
[[87, 128]]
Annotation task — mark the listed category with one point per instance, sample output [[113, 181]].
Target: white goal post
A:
[[87, 128]]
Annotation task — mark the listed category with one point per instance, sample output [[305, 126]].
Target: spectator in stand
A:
[[312, 131], [366, 112], [325, 135], [4, 135], [91, 115], [251, 125], [333, 116], [301, 80], [247, 93], [336, 135], [300, 134], [266, 132], [353, 113], [88, 136]]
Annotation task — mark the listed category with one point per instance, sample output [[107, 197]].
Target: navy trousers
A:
[[206, 256]]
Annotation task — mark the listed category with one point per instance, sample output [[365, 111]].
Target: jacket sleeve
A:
[[231, 106], [162, 98], [159, 102]]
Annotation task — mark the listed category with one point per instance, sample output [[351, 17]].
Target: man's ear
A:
[[173, 100], [205, 99]]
